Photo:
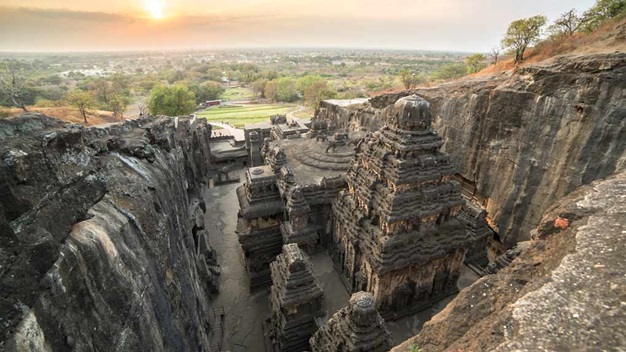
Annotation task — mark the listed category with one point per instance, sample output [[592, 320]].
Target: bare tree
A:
[[142, 105], [13, 79], [495, 53], [566, 25], [569, 22]]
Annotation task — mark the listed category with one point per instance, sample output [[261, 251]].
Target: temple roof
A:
[[293, 281], [357, 327]]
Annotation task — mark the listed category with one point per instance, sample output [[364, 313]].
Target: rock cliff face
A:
[[525, 138], [563, 293], [102, 235]]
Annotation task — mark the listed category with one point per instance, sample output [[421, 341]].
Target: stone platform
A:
[[309, 161]]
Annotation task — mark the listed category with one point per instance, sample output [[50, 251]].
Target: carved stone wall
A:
[[295, 299], [395, 228], [258, 227]]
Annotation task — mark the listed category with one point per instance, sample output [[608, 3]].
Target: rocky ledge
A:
[[565, 292], [102, 243]]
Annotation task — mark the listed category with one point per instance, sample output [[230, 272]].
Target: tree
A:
[[271, 90], [408, 78], [314, 89], [13, 79], [118, 104], [475, 63], [142, 105], [450, 71], [287, 91], [207, 91], [567, 24], [600, 12], [171, 101], [82, 100], [258, 87], [102, 90], [495, 53], [522, 33]]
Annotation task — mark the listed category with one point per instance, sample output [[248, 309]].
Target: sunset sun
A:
[[154, 8]]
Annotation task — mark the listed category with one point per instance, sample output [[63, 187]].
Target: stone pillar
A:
[[296, 299], [255, 149], [357, 327]]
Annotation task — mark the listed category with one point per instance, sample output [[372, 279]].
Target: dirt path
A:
[[290, 114]]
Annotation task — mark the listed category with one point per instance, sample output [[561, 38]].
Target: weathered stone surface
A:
[[295, 299], [525, 138], [98, 229], [395, 229], [563, 293], [355, 328], [259, 220]]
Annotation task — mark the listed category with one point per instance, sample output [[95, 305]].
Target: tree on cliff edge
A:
[[522, 33], [13, 79], [171, 101], [82, 100]]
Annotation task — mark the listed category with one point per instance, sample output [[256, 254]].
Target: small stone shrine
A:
[[259, 219], [355, 328], [296, 299]]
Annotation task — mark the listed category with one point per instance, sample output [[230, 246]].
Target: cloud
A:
[[62, 15], [454, 25]]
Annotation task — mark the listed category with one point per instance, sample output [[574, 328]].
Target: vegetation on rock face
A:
[[82, 100], [602, 10], [522, 33], [567, 24], [171, 100]]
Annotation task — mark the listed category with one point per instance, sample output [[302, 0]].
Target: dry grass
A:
[[610, 37], [67, 114]]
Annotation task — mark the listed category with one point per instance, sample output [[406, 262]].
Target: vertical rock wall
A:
[[525, 138], [98, 227]]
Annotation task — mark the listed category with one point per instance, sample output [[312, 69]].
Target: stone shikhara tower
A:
[[296, 299], [355, 328], [395, 229]]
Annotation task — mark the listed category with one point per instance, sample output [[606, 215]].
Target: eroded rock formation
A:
[[562, 293], [395, 229], [295, 299], [526, 138], [355, 328], [103, 245]]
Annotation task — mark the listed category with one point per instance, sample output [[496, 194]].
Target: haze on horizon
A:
[[450, 25]]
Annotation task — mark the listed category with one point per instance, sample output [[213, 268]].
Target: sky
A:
[[95, 25]]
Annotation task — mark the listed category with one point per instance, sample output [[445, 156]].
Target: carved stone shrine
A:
[[396, 234], [355, 328], [296, 299], [259, 219]]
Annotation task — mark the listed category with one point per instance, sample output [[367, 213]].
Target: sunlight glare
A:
[[154, 8]]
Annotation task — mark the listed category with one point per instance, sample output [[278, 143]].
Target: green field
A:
[[238, 93], [241, 115]]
